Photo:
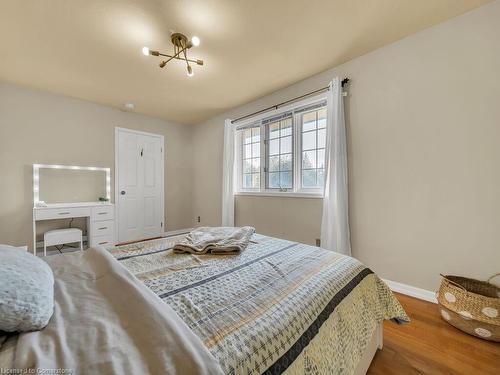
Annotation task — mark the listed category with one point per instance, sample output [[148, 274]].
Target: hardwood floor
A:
[[429, 345]]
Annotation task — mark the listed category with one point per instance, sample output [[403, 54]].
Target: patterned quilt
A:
[[278, 307]]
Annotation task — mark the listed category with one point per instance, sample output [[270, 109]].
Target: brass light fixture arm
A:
[[177, 57], [186, 58]]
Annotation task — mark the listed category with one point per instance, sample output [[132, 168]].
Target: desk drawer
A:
[[103, 213], [61, 213], [102, 241], [103, 228]]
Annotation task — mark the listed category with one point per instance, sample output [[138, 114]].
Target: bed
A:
[[278, 307]]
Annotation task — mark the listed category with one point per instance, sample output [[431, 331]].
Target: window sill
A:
[[279, 194]]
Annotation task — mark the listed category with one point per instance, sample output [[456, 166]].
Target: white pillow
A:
[[26, 291]]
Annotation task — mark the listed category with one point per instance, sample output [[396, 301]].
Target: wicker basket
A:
[[470, 305]]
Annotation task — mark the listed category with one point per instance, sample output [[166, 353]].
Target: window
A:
[[251, 158], [279, 153], [313, 132], [284, 153]]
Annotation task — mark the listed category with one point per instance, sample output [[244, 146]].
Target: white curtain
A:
[[335, 222], [228, 174]]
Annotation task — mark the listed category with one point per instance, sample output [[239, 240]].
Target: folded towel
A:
[[215, 240]]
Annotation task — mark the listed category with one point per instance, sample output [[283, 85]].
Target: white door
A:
[[139, 163]]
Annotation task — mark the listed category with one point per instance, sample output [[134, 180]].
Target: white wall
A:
[[37, 127], [423, 118]]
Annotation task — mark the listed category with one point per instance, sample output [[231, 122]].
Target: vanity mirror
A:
[[56, 184]]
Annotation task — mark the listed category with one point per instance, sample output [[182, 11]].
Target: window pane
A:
[[255, 135], [309, 159], [247, 136], [255, 150], [322, 118], [250, 158], [280, 154], [321, 138], [309, 178], [286, 162], [309, 141], [246, 166], [274, 180], [247, 180], [274, 147], [274, 130], [286, 145], [309, 121], [286, 128], [256, 165], [313, 148], [255, 180], [274, 164], [286, 180], [321, 178], [247, 151], [321, 159]]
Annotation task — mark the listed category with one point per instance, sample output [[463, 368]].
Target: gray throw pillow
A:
[[26, 291]]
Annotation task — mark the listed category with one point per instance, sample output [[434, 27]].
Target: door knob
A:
[[122, 192]]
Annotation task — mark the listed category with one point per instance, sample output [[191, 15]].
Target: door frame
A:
[[117, 172]]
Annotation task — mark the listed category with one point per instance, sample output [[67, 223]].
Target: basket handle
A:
[[492, 277], [454, 283]]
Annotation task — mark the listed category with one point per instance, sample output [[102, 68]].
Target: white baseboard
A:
[[411, 291], [177, 232]]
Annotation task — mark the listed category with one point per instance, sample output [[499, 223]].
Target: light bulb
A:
[[145, 51], [190, 71], [195, 40]]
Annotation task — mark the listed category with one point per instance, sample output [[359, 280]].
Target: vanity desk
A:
[[100, 219], [80, 186]]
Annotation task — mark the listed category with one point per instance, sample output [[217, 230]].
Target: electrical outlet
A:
[[318, 242], [199, 219]]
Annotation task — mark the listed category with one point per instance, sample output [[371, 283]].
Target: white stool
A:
[[60, 237]]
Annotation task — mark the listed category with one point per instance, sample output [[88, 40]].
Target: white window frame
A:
[[297, 191]]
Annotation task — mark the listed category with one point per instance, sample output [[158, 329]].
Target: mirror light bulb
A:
[[190, 71], [145, 51], [195, 40]]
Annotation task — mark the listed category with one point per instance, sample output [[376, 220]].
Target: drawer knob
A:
[[103, 243], [122, 192], [102, 228], [101, 213], [64, 213]]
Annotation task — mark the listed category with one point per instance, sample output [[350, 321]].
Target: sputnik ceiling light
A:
[[181, 45]]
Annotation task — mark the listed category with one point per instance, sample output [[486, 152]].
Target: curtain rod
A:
[[276, 106]]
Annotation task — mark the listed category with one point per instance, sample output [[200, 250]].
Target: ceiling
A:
[[91, 49]]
